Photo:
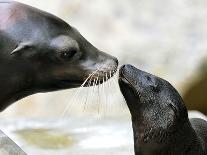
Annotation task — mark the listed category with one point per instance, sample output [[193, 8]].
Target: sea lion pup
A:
[[40, 52], [159, 116]]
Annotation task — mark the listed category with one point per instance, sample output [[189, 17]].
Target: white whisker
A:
[[99, 103], [75, 95], [84, 107]]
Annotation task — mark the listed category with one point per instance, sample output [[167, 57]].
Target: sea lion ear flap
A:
[[21, 47], [175, 108]]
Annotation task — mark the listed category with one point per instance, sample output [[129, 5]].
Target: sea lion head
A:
[[154, 103], [40, 52], [52, 53]]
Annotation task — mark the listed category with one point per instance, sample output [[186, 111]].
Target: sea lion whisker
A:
[[109, 85], [99, 103], [103, 94], [106, 91], [110, 74], [96, 80], [92, 74], [91, 93], [89, 83], [75, 95], [70, 105], [93, 84], [93, 90]]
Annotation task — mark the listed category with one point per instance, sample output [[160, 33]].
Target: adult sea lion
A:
[[159, 116], [39, 52]]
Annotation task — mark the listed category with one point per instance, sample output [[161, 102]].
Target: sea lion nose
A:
[[129, 69], [123, 66], [116, 61], [126, 66], [124, 69]]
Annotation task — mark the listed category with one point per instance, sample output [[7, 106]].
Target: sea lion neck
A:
[[15, 82], [149, 141], [159, 117]]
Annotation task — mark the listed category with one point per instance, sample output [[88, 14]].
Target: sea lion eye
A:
[[68, 54]]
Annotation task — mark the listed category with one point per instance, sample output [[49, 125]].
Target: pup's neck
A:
[[160, 142]]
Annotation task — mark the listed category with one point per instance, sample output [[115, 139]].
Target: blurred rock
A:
[[164, 37], [197, 114], [46, 138], [8, 147], [167, 38], [195, 95], [73, 136]]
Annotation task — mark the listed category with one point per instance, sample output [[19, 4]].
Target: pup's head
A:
[[153, 102]]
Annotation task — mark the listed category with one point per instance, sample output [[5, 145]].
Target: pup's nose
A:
[[124, 69], [126, 66], [116, 61]]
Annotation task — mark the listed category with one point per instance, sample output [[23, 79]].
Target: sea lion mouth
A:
[[130, 93], [127, 82], [124, 79], [98, 77], [87, 80], [66, 83]]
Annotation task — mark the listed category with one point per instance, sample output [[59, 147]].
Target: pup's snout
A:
[[126, 67]]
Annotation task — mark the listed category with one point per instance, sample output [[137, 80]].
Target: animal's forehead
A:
[[10, 14], [63, 42]]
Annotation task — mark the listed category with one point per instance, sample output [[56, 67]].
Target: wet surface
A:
[[46, 138], [8, 146], [75, 136]]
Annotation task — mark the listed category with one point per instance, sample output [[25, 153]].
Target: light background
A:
[[164, 37], [167, 38]]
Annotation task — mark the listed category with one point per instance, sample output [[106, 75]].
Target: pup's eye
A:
[[68, 54]]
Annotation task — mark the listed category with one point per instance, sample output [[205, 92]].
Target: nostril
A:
[[123, 66], [126, 66]]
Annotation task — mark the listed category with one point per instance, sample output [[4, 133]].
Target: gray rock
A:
[[8, 147]]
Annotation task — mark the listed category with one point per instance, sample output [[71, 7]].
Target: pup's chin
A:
[[130, 95]]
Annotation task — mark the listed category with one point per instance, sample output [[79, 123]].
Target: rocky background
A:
[[167, 38], [164, 37]]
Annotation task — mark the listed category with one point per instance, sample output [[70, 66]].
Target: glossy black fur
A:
[[40, 52], [159, 116]]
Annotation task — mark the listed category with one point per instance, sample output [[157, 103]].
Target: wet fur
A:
[[159, 116]]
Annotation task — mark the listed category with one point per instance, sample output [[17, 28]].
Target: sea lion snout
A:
[[101, 65], [139, 79]]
